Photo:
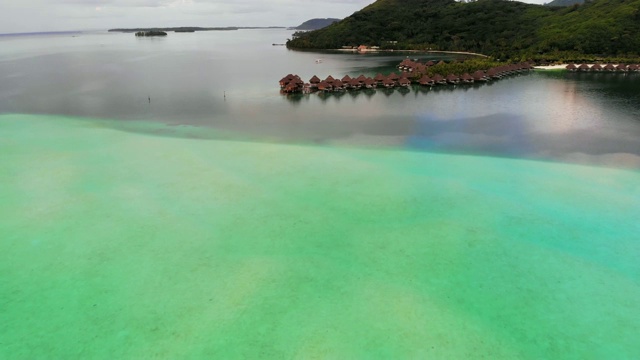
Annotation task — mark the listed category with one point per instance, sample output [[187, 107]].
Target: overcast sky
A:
[[61, 15]]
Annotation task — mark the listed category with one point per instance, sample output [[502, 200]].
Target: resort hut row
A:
[[604, 68], [291, 83]]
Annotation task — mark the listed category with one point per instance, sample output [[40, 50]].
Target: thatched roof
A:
[[361, 78], [425, 80], [330, 79], [346, 78], [430, 63], [583, 67], [596, 67], [315, 80], [571, 67], [466, 77], [404, 81], [393, 76], [379, 77]]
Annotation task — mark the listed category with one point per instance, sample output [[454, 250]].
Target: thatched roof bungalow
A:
[[426, 81], [621, 67], [466, 78], [596, 67], [583, 67], [439, 79], [325, 86], [388, 83], [452, 79], [379, 78], [571, 67], [338, 85], [393, 76], [479, 76], [404, 82], [346, 79]]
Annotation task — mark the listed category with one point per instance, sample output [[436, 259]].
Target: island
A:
[[151, 33], [597, 30]]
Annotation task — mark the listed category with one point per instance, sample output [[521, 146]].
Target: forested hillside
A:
[[504, 29]]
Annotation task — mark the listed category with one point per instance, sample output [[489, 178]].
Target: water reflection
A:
[[550, 115]]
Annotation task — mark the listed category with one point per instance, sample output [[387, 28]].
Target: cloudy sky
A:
[[61, 15]]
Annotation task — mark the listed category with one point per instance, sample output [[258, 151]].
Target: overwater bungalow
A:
[[404, 82], [314, 81], [609, 67], [429, 63], [439, 79], [355, 84], [286, 80], [379, 78], [361, 79], [633, 67], [621, 67], [369, 83], [338, 85], [452, 79], [466, 78], [571, 67], [330, 80], [389, 83], [426, 81], [479, 76], [346, 79], [596, 67], [393, 76], [493, 74], [324, 86], [583, 67]]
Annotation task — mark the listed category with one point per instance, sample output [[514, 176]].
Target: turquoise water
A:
[[121, 244]]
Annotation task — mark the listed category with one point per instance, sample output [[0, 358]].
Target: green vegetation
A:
[[564, 2], [315, 24], [499, 28], [460, 67]]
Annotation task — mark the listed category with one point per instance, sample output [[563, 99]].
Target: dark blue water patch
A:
[[500, 134]]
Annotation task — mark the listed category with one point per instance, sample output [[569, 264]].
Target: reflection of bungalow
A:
[[571, 67], [583, 67]]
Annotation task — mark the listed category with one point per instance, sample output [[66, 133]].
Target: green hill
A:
[[503, 29], [564, 2], [315, 24]]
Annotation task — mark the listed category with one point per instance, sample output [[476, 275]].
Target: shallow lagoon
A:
[[163, 236]]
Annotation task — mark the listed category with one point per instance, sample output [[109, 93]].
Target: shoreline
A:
[[410, 51]]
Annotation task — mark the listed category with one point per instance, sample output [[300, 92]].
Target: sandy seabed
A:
[[121, 244]]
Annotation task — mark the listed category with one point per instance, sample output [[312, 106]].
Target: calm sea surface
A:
[[159, 198]]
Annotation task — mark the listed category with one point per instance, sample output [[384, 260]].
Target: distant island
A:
[[151, 33], [193, 29], [505, 30], [315, 24]]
